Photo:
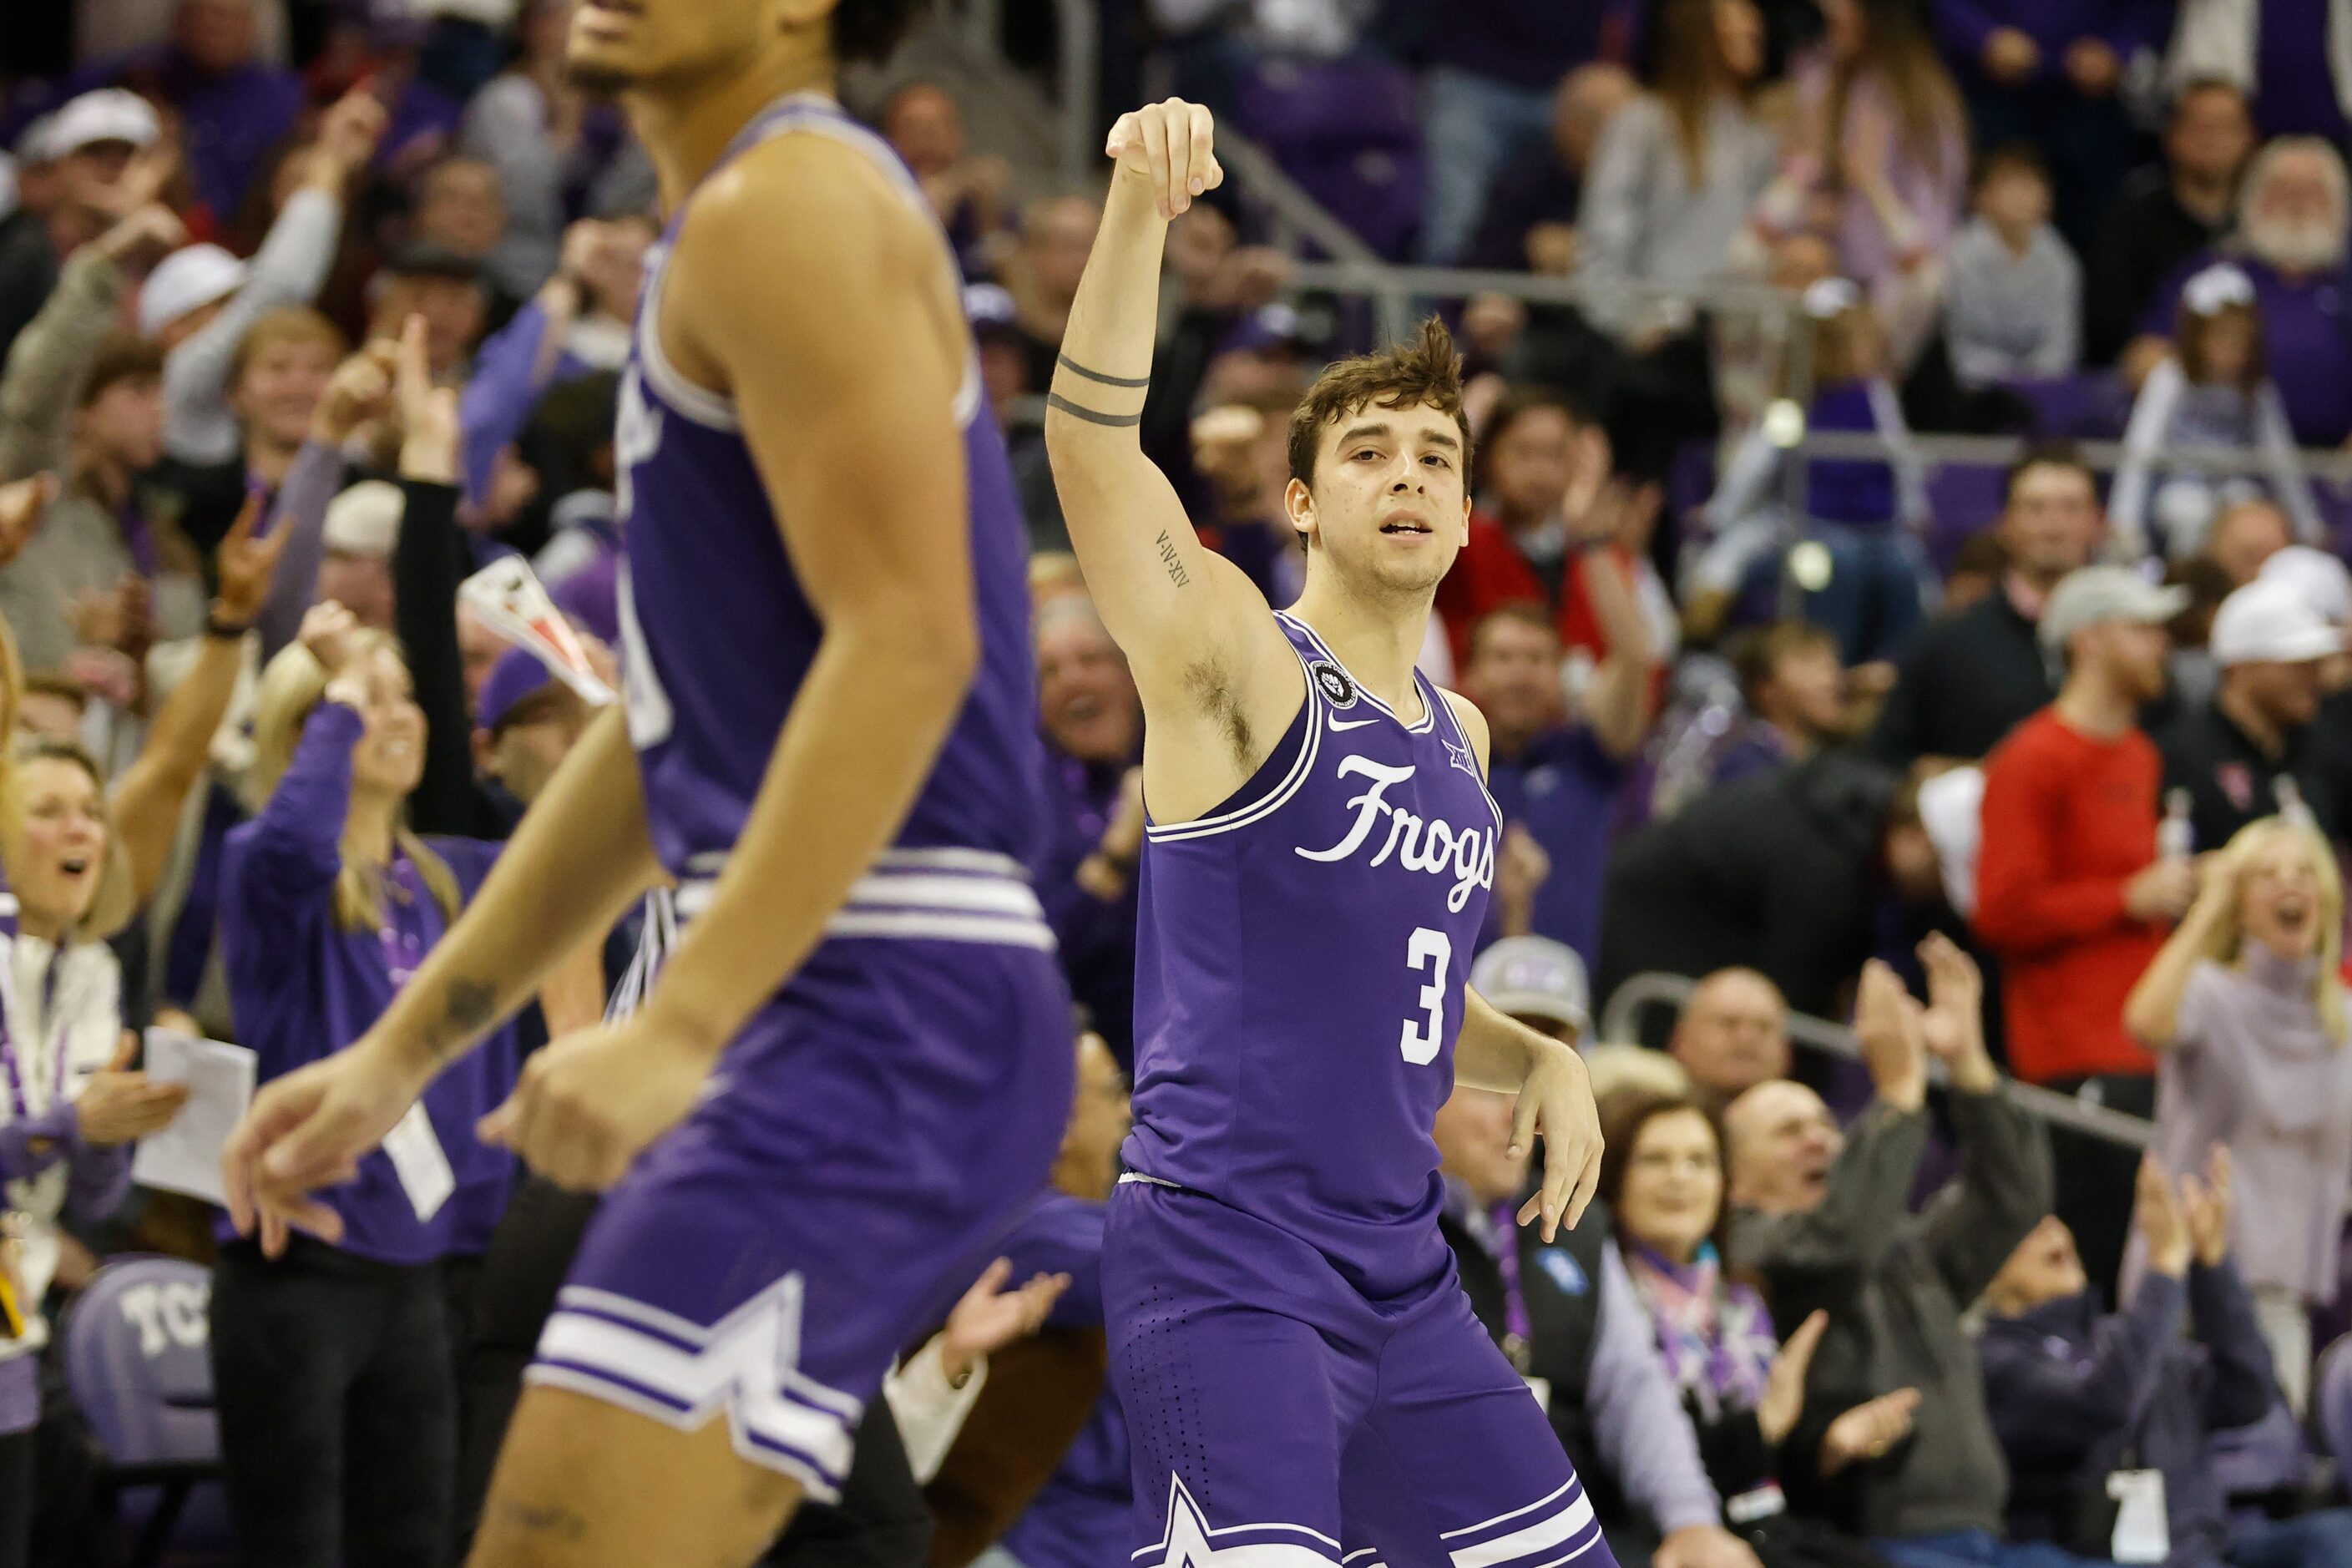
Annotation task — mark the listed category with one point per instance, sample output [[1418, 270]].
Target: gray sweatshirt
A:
[[288, 269], [2010, 315], [1895, 1285], [51, 359]]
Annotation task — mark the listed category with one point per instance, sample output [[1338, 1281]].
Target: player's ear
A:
[[1299, 501]]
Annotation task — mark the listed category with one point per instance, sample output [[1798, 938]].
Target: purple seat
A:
[[137, 1365], [1962, 497], [2331, 1405], [2267, 1457], [1347, 131]]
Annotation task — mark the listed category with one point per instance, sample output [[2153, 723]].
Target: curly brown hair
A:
[[1425, 371]]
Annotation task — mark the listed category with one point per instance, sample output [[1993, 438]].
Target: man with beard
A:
[[2292, 213], [2072, 895]]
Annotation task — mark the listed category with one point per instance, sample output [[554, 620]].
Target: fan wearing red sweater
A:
[[1548, 512], [2071, 894]]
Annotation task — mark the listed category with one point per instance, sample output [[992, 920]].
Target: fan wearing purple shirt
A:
[[333, 1359], [1560, 781], [2293, 213]]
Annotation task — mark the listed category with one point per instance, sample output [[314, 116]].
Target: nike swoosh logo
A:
[[1338, 724]]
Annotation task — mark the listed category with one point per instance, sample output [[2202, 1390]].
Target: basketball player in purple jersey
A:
[[853, 1069], [1301, 1373]]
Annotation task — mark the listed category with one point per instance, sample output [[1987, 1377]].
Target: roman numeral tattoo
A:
[[1173, 562]]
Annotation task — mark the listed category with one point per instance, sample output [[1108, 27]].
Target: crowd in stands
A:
[[310, 311]]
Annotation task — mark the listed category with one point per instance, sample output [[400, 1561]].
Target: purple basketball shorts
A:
[[865, 1142], [1279, 1415]]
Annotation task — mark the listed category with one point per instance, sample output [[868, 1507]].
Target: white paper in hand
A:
[[420, 1162], [185, 1157]]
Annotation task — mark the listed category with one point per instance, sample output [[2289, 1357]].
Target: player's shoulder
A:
[[806, 193], [1473, 722]]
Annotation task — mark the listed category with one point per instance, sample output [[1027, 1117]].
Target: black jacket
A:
[[1963, 686], [1779, 871]]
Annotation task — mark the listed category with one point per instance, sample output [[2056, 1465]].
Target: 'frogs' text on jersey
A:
[[718, 635], [1299, 969]]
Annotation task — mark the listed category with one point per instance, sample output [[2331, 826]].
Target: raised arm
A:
[[1617, 701], [147, 796], [2152, 1011], [1205, 650]]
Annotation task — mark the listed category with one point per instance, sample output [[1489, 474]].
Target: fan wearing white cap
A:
[[200, 299], [2245, 755]]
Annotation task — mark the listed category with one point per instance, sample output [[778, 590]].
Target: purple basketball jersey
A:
[[717, 634], [1299, 970]]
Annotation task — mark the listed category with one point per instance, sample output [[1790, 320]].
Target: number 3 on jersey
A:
[[1432, 951]]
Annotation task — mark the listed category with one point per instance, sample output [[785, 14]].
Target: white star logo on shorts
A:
[[1186, 1543]]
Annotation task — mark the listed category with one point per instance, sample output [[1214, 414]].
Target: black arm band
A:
[[1071, 365], [1056, 400]]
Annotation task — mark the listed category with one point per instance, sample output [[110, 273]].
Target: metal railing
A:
[[1655, 988]]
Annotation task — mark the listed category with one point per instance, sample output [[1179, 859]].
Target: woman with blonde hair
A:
[[76, 858], [332, 1366], [2245, 1011]]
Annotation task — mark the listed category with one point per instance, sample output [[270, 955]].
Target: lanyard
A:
[[19, 1101], [404, 940], [1518, 1329]]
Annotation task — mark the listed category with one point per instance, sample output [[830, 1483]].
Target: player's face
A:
[[1473, 1143], [1389, 507], [1673, 1184], [617, 44], [1783, 1144]]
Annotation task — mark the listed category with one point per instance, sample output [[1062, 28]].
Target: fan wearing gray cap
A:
[[2246, 753], [2072, 896], [1538, 981], [73, 167], [200, 299]]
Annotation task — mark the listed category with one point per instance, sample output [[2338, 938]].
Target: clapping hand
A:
[[2207, 1204], [1784, 1391], [1892, 1027], [1868, 1431], [990, 1317], [2160, 1220]]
